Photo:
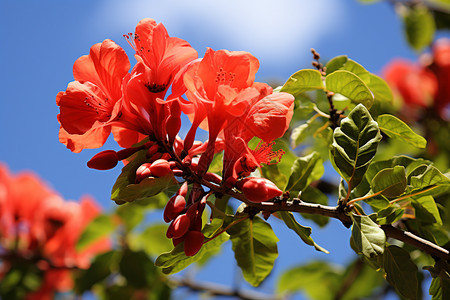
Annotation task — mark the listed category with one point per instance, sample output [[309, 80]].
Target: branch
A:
[[220, 290], [334, 212]]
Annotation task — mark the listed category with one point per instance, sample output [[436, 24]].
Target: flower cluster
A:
[[39, 228], [142, 108], [426, 83]]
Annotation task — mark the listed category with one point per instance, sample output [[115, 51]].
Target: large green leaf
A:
[[355, 144], [319, 280], [303, 171], [303, 232], [349, 85], [380, 89], [390, 182], [426, 210], [394, 127], [401, 160], [424, 176], [344, 63], [175, 260], [367, 237], [401, 272], [255, 248], [419, 27], [302, 81], [126, 190], [98, 228]]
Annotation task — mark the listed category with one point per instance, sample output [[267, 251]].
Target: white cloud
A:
[[277, 32]]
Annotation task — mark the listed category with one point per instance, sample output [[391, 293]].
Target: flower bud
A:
[[213, 177], [152, 150], [160, 168], [258, 189], [104, 160], [174, 207], [183, 189], [178, 227], [193, 242], [143, 172]]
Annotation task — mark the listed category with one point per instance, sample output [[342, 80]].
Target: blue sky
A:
[[42, 39]]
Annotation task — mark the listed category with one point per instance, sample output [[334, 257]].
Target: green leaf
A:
[[425, 176], [303, 232], [301, 172], [390, 182], [440, 287], [401, 160], [368, 238], [303, 131], [99, 269], [314, 195], [255, 248], [137, 268], [354, 145], [426, 210], [380, 89], [126, 190], [153, 240], [336, 63], [419, 27], [175, 260], [389, 215], [98, 228], [349, 85], [401, 272], [319, 280], [131, 215], [302, 81], [394, 127], [272, 172]]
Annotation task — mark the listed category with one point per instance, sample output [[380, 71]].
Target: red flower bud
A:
[[258, 189], [173, 125], [175, 242], [183, 189], [160, 168], [178, 227], [152, 150], [193, 242], [174, 207], [143, 172], [104, 160]]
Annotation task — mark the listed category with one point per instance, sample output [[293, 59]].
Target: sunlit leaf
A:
[[302, 81], [351, 86], [408, 162], [419, 27], [319, 280], [394, 127], [354, 145], [302, 231], [380, 89], [255, 248], [426, 210], [368, 238], [390, 182], [301, 172], [153, 240], [401, 272], [98, 228]]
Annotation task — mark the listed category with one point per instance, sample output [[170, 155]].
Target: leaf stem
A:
[[415, 194], [364, 197]]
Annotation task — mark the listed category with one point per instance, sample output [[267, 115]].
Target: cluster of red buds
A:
[[185, 221]]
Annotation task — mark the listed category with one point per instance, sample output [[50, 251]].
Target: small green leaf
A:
[[336, 63], [401, 160], [98, 228], [380, 89], [301, 172], [394, 127], [419, 27], [368, 238], [255, 248], [391, 182], [354, 145], [303, 232], [389, 215], [401, 272], [426, 210], [302, 81], [351, 86], [425, 176]]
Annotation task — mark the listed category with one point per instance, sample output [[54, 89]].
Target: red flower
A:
[[222, 90], [36, 224], [416, 85], [441, 68], [90, 103]]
